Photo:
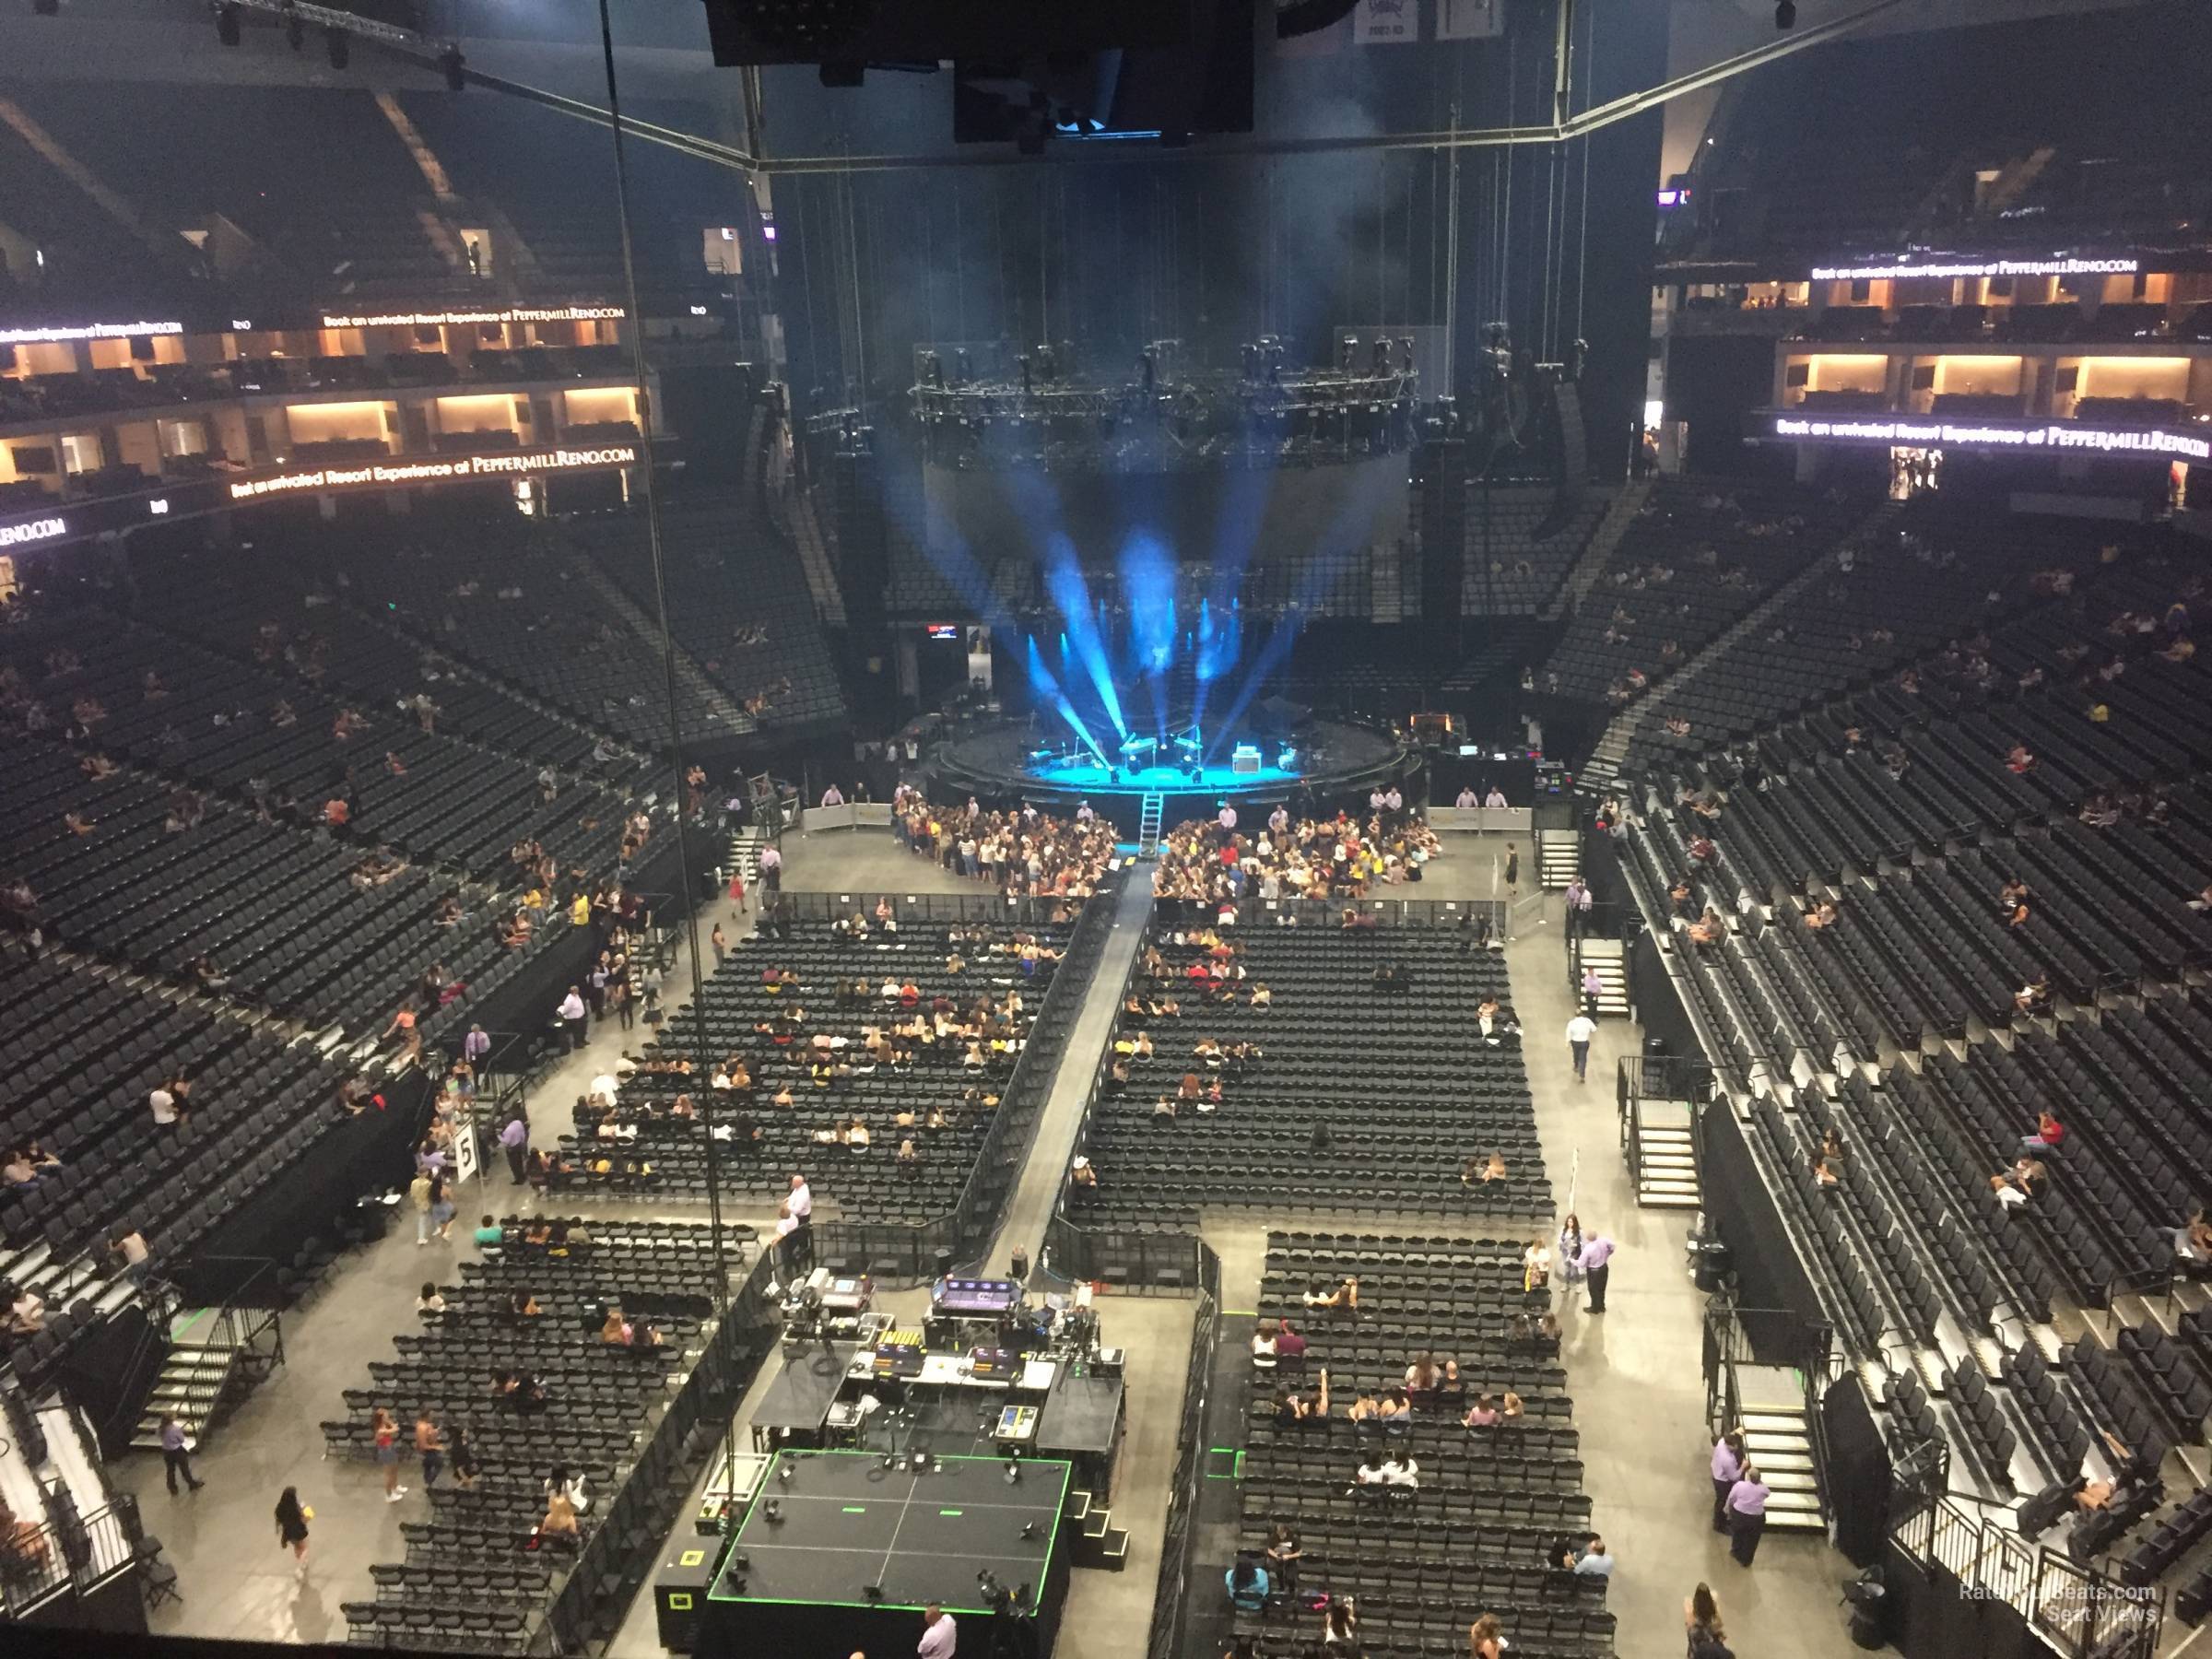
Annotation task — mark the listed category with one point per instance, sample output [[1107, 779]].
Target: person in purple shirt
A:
[[1598, 1253], [514, 1140], [1746, 1514], [1727, 1468]]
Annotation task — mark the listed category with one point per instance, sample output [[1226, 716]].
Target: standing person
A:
[[430, 1445], [720, 941], [1593, 988], [771, 872], [1727, 1468], [462, 1452], [514, 1140], [940, 1636], [575, 1018], [292, 1517], [176, 1454], [1597, 1263], [1746, 1513], [1580, 1030], [1701, 1618], [419, 1196], [476, 1048], [1512, 871], [800, 1204], [442, 1205], [386, 1433], [1578, 904], [738, 890]]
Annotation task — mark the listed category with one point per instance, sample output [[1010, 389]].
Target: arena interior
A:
[[1200, 830]]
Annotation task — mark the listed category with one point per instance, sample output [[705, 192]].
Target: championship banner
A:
[[1379, 22]]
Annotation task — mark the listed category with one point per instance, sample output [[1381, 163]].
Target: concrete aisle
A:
[[1636, 1372]]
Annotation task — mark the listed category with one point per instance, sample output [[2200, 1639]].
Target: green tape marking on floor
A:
[[952, 1512], [856, 1509]]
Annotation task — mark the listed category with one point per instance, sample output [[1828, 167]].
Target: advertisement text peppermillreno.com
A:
[[433, 472]]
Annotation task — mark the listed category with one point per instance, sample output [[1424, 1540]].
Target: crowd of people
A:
[[1210, 861], [1023, 854]]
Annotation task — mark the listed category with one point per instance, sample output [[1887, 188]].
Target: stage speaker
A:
[[944, 1264], [1443, 479]]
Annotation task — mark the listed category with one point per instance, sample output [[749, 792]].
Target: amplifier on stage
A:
[[1244, 758], [974, 1299]]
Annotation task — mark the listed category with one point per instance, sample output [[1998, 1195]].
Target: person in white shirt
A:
[[604, 1088], [1495, 798], [939, 1635], [1394, 800], [1264, 1349], [1580, 1030], [573, 1018], [1399, 1470], [1228, 818], [1596, 1562], [801, 1200], [833, 797], [1466, 798], [164, 1106]]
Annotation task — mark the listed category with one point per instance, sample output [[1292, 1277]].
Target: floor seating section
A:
[[1406, 1084], [1529, 547], [738, 604], [1474, 1538], [476, 1570], [668, 1153], [1694, 559]]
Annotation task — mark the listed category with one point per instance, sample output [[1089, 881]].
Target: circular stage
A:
[[1333, 763]]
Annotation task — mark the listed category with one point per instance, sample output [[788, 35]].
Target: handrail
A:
[[75, 1552]]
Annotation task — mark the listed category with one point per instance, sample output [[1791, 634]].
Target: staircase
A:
[[703, 692], [1590, 562], [1098, 1543], [216, 1356], [744, 853], [1602, 769], [1611, 962], [1559, 857], [1666, 1168], [1770, 1411], [1147, 828]]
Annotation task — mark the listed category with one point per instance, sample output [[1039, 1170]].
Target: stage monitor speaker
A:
[[1568, 444]]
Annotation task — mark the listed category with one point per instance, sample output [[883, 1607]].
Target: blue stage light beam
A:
[[1047, 689], [1148, 588], [1064, 580]]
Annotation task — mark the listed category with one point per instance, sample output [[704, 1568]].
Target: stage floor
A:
[[1337, 761], [848, 1524]]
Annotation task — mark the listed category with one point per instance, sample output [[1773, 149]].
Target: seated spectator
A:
[[1482, 1413], [1289, 1344], [428, 1300], [2050, 1133], [559, 1520], [1248, 1584], [26, 1310], [2016, 1185], [1264, 1353], [1345, 1295]]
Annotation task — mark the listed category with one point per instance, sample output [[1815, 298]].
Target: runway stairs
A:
[[1559, 856], [1770, 1411], [1665, 1167], [1149, 824], [1605, 956], [216, 1358], [1099, 1542], [745, 843]]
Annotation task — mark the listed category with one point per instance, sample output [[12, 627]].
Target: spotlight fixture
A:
[[226, 24], [340, 48], [1785, 14], [454, 66]]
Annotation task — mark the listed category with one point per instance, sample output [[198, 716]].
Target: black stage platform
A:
[[801, 1583], [1335, 764]]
